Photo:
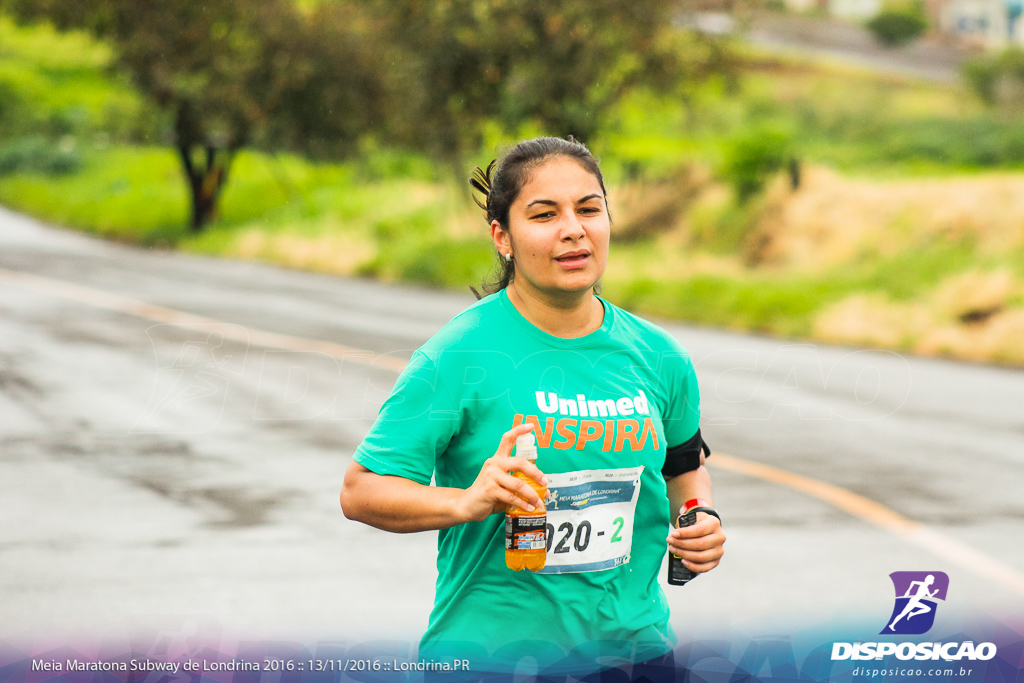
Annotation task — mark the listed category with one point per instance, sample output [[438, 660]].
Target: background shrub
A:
[[39, 155], [997, 79], [895, 27], [752, 156]]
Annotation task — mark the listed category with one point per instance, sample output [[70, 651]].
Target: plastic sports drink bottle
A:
[[526, 537]]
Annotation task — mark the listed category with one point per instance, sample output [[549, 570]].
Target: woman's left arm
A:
[[701, 545]]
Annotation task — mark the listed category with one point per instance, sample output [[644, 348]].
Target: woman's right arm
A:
[[401, 505]]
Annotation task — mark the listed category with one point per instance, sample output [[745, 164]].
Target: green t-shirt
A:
[[609, 402]]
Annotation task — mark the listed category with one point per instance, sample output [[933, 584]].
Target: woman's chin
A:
[[573, 283]]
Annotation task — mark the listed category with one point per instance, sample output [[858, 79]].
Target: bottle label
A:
[[526, 532], [590, 517]]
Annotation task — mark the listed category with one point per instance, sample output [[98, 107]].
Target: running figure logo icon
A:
[[916, 596]]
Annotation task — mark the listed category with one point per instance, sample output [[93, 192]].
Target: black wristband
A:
[[700, 508]]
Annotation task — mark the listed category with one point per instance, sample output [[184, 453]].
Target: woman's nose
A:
[[572, 228]]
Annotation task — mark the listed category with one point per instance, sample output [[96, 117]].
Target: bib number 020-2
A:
[[590, 519]]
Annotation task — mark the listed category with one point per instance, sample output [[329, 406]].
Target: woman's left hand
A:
[[700, 546]]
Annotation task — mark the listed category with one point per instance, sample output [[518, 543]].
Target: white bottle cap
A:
[[526, 446]]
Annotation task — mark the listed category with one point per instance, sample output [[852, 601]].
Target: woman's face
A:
[[559, 229]]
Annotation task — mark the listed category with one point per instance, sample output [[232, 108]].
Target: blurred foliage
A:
[[558, 66], [234, 72], [53, 85], [752, 157], [998, 79], [891, 126], [897, 26], [372, 199], [323, 78], [126, 193], [129, 193], [785, 302], [39, 155]]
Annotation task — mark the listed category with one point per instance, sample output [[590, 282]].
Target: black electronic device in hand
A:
[[678, 574]]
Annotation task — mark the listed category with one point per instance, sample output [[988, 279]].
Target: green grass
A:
[[781, 306], [132, 194], [394, 215], [784, 303], [437, 262], [849, 119], [138, 195]]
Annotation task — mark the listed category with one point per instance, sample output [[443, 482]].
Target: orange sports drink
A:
[[526, 533]]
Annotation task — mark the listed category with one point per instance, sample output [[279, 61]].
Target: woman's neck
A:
[[568, 317]]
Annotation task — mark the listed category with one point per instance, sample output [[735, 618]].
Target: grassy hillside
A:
[[904, 231]]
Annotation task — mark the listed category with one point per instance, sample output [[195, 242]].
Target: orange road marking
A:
[[936, 543], [114, 302], [932, 541]]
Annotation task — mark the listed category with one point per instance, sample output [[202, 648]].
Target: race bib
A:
[[590, 519]]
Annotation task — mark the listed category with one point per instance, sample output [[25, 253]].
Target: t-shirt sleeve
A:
[[414, 425], [681, 413]]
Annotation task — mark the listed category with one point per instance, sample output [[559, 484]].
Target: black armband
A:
[[685, 457]]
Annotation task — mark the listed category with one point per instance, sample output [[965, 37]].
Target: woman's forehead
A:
[[559, 178]]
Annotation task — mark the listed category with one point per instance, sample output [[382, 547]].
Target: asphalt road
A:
[[849, 43], [182, 476]]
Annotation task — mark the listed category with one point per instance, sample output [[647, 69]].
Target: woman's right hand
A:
[[495, 489]]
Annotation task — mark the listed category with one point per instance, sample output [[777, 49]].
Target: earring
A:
[[508, 256]]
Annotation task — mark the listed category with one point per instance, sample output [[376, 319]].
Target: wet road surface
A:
[[157, 473]]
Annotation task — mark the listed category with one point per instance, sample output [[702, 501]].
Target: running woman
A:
[[614, 404]]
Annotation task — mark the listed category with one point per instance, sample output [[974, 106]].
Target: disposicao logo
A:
[[916, 596]]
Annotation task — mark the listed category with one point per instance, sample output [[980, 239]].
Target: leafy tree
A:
[[558, 64], [897, 26], [233, 73]]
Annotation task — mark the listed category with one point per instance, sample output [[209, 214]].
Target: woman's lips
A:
[[573, 260]]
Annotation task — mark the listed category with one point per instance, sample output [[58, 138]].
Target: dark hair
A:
[[502, 185]]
